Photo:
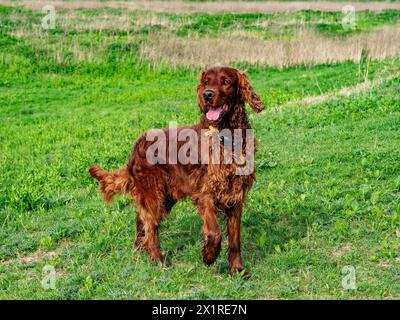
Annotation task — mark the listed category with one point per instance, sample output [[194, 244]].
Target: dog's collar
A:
[[214, 131], [211, 130]]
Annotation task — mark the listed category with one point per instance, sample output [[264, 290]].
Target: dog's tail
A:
[[112, 183]]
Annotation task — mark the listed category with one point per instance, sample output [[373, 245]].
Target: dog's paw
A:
[[240, 272], [210, 255]]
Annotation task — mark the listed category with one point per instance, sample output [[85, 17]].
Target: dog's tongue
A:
[[214, 113]]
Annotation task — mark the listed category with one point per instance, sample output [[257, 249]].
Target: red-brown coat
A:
[[155, 188]]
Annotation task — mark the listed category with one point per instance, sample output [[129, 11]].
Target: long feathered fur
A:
[[212, 187], [111, 183]]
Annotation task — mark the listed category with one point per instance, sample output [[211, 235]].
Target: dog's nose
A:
[[208, 94]]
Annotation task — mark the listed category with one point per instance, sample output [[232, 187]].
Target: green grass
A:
[[280, 24], [327, 193]]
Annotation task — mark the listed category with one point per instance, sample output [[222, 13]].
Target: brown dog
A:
[[213, 187]]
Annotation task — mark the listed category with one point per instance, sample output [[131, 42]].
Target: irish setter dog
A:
[[213, 187]]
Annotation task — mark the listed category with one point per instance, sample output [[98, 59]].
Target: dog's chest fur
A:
[[223, 182]]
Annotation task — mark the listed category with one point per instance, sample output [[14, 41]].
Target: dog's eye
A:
[[205, 82], [227, 82]]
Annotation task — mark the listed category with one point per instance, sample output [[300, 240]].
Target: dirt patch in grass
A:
[[342, 250], [38, 256]]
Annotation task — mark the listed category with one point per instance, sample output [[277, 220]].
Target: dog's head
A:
[[222, 90]]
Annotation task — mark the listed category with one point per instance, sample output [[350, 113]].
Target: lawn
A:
[[327, 193]]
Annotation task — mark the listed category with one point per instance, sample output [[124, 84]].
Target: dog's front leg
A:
[[211, 229], [234, 217]]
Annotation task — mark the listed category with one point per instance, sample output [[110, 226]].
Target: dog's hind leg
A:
[[148, 236], [140, 233]]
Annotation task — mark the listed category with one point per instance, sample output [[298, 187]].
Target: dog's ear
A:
[[201, 78], [199, 86], [247, 93]]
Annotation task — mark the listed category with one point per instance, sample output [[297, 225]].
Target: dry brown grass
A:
[[74, 20], [238, 45], [208, 7], [307, 47]]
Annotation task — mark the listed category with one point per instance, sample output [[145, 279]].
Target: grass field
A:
[[327, 193]]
